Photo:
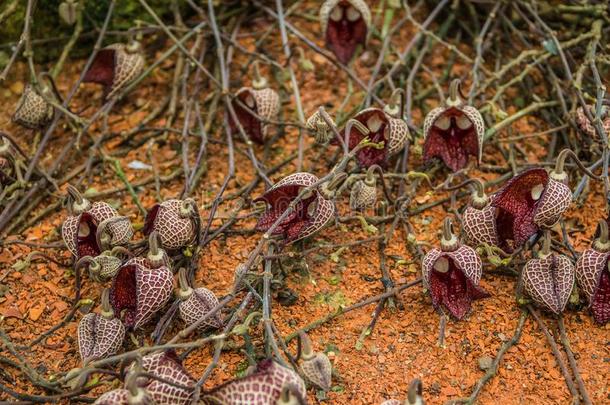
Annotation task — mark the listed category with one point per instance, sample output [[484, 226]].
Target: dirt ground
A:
[[403, 344]]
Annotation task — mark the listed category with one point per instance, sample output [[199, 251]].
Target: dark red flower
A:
[[264, 103], [308, 216], [529, 201], [452, 274], [345, 25], [139, 292], [114, 67], [453, 132], [93, 227], [593, 275], [378, 126]]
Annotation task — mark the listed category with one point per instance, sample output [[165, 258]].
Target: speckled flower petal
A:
[[555, 201], [168, 366], [32, 110], [175, 231], [201, 302], [99, 337], [549, 281], [114, 67], [140, 292], [593, 278], [479, 226], [263, 387]]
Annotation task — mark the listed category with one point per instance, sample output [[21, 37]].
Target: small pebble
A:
[[485, 362]]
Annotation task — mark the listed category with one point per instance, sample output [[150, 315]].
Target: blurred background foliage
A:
[[48, 27]]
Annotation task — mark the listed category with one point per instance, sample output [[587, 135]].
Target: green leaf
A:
[[550, 46]]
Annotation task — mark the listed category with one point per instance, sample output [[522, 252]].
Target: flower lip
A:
[[86, 242], [102, 70], [252, 126], [452, 279], [452, 137], [517, 204], [279, 200], [344, 26], [124, 294], [451, 288]]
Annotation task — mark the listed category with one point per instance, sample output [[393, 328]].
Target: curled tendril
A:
[[242, 328], [49, 78], [354, 123], [560, 163]]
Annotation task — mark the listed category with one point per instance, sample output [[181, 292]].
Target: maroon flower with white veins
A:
[[100, 335], [168, 366], [309, 215], [138, 292], [176, 221], [316, 366], [454, 131], [345, 26], [379, 126], [254, 106], [479, 218], [263, 387], [132, 394], [593, 275], [115, 67], [93, 227], [528, 202], [196, 303], [452, 274], [549, 279]]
